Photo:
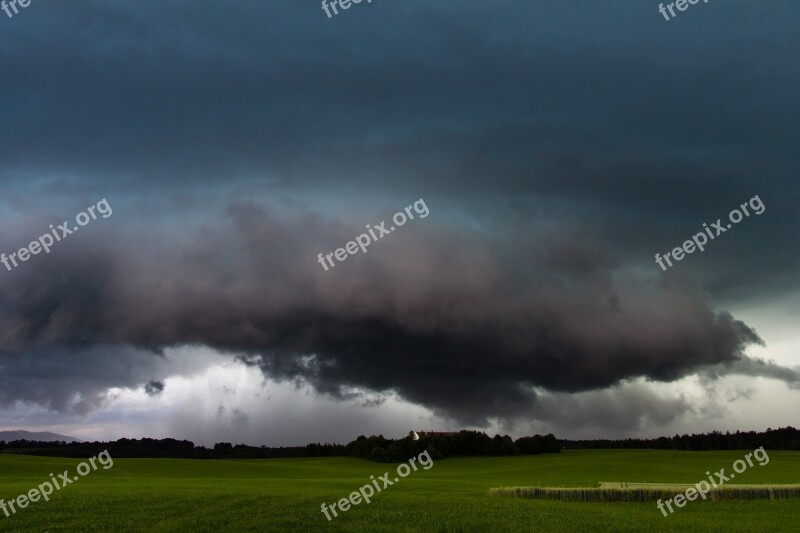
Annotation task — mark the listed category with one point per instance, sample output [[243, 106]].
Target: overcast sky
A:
[[558, 146]]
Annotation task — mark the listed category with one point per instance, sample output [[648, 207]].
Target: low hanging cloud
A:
[[446, 318], [154, 388], [625, 408], [756, 367], [76, 379]]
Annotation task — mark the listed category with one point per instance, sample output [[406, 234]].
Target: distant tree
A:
[[378, 454]]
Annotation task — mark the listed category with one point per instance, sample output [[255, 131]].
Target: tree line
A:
[[375, 448], [378, 448], [787, 438]]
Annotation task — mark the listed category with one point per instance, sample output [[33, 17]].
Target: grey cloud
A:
[[511, 105], [154, 388], [560, 145], [756, 367], [76, 379], [628, 408], [467, 330], [70, 380]]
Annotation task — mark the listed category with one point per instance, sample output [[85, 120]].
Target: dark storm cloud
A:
[[626, 408], [154, 388], [466, 329], [70, 379], [257, 92], [617, 132], [641, 128]]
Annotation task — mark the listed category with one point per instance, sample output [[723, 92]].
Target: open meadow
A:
[[286, 494]]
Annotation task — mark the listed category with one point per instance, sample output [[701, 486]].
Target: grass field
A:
[[286, 494]]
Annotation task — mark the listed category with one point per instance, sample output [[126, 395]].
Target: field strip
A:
[[681, 486], [646, 492]]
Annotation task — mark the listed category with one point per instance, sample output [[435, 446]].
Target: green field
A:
[[286, 494]]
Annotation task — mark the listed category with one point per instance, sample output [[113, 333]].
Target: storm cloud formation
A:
[[558, 145], [467, 329]]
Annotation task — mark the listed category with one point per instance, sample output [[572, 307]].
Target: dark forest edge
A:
[[787, 438], [375, 448], [380, 449]]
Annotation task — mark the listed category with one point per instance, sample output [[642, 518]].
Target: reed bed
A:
[[645, 493]]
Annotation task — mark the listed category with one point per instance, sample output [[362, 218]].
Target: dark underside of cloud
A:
[[450, 320]]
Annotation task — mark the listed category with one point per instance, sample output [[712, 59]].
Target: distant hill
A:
[[40, 436]]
